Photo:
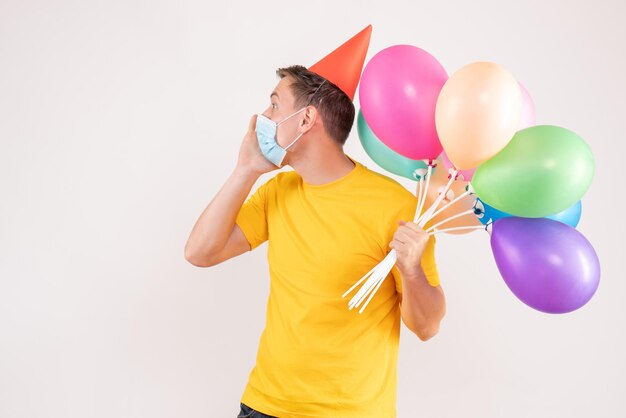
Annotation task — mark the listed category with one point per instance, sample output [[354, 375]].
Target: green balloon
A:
[[543, 170], [387, 158]]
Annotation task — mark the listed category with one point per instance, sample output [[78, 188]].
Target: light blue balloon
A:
[[487, 214], [569, 216]]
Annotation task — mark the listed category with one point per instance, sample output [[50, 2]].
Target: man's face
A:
[[282, 104]]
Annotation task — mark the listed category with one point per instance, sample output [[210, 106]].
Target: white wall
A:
[[120, 120]]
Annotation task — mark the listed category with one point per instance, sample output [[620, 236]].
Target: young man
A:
[[327, 223]]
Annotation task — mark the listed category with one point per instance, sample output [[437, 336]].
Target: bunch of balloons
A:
[[471, 143]]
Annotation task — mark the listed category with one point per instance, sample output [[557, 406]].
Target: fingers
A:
[[397, 245], [412, 225], [403, 234], [408, 236], [409, 233]]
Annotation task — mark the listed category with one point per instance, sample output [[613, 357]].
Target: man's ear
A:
[[309, 118]]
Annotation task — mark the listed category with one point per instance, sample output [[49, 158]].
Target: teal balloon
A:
[[543, 170], [385, 157]]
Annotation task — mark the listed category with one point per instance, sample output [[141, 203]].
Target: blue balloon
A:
[[487, 214], [569, 216]]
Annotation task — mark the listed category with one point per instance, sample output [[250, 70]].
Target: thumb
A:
[[252, 124]]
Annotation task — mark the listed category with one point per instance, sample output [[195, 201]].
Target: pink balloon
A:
[[398, 94], [528, 109], [467, 174]]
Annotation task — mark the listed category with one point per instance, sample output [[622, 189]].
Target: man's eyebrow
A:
[[274, 94]]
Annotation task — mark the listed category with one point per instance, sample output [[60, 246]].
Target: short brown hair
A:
[[334, 106]]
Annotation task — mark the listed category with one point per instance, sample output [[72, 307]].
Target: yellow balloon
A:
[[477, 113]]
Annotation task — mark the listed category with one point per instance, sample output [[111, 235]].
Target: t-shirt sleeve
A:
[[252, 217]]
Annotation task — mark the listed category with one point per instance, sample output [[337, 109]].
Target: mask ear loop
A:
[[314, 93], [294, 113], [294, 141]]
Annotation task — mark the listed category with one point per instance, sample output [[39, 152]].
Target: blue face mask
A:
[[266, 135]]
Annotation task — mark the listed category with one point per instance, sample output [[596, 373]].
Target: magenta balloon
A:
[[466, 174], [528, 109], [398, 93], [547, 264]]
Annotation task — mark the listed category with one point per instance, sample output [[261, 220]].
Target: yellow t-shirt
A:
[[316, 358]]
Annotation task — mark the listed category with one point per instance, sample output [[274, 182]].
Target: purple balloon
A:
[[547, 264]]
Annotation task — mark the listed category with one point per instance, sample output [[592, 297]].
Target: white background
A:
[[120, 120]]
